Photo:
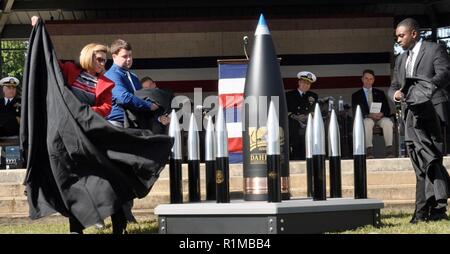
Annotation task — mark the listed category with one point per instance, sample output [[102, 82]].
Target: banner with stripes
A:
[[231, 96]]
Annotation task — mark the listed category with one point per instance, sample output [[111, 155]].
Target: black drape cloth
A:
[[424, 138], [77, 163]]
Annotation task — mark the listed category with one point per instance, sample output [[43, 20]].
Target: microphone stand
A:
[[245, 39]]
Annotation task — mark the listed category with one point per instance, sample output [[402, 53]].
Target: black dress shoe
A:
[[417, 219], [438, 216]]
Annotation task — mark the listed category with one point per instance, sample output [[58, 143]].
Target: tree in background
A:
[[13, 59]]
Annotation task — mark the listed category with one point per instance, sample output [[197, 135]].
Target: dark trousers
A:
[[119, 222], [118, 219], [425, 144], [442, 110], [127, 206], [75, 225], [446, 137], [425, 207], [297, 143]]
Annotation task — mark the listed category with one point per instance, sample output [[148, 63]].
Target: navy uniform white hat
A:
[[307, 75], [9, 81]]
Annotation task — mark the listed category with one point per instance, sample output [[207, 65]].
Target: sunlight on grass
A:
[[143, 227], [35, 228]]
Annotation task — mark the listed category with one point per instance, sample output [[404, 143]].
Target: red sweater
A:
[[103, 90]]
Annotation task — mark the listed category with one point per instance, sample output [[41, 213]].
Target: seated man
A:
[[157, 121], [300, 102], [364, 98], [9, 108], [147, 82]]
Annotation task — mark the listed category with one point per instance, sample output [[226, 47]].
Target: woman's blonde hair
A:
[[87, 54]]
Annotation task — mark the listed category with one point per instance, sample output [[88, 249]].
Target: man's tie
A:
[[6, 101], [409, 66], [131, 81], [369, 97]]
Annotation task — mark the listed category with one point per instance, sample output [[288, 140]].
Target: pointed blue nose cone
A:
[[262, 20], [262, 27]]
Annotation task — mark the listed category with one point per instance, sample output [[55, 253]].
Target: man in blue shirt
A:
[[126, 83]]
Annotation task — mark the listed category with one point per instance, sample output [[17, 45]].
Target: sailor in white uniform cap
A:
[[9, 81], [307, 75], [300, 102]]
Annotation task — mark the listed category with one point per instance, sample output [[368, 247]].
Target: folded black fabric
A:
[[418, 90], [159, 96], [149, 119]]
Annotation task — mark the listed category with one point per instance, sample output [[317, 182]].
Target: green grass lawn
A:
[[393, 222], [61, 226]]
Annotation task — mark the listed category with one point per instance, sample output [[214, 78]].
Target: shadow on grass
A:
[[392, 221], [398, 215], [386, 225]]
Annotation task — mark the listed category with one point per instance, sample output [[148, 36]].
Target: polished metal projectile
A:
[[273, 156], [334, 141], [359, 156], [358, 133], [309, 137], [193, 161], [318, 133], [334, 156], [193, 140], [210, 160], [222, 163], [221, 135], [175, 172], [175, 133], [273, 132], [210, 141], [318, 154], [308, 153]]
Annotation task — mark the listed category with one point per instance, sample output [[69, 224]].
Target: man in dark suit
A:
[[160, 118], [300, 102], [364, 98], [424, 106], [9, 108]]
